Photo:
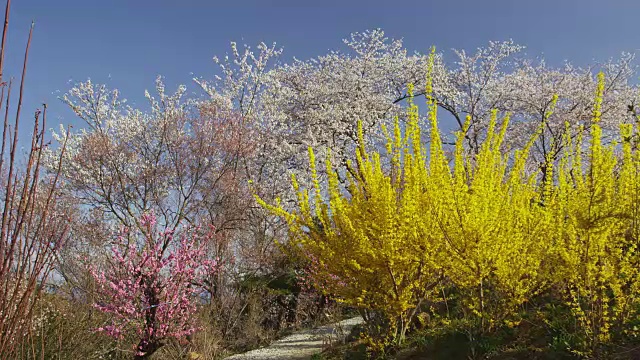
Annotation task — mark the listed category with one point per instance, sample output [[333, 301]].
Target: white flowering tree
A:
[[128, 162], [179, 160], [317, 102], [537, 96], [185, 161]]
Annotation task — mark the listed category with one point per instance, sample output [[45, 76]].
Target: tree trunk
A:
[[145, 349]]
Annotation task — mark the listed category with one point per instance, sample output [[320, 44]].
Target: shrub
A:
[[404, 227], [152, 287]]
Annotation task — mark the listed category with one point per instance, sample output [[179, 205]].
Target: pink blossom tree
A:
[[153, 283]]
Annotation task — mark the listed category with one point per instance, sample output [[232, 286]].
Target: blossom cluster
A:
[[151, 287]]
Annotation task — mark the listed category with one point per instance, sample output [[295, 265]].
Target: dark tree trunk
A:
[[146, 349]]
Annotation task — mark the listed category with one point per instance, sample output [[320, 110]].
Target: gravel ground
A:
[[303, 344]]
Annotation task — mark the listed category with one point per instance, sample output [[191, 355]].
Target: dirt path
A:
[[303, 344]]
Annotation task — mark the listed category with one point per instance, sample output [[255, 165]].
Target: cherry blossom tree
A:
[[188, 162], [153, 285], [122, 162], [316, 102], [536, 95], [179, 160]]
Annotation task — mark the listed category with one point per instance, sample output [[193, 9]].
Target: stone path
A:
[[303, 344]]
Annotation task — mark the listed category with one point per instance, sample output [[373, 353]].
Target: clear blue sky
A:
[[133, 41]]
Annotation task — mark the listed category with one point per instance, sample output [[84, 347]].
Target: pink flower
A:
[[149, 288]]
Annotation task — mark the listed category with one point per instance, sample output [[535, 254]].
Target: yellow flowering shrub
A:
[[410, 222], [389, 240], [490, 214], [595, 232], [373, 247]]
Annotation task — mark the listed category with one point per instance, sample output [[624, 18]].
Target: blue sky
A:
[[133, 41]]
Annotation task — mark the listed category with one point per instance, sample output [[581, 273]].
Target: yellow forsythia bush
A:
[[375, 247], [408, 223], [595, 232]]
